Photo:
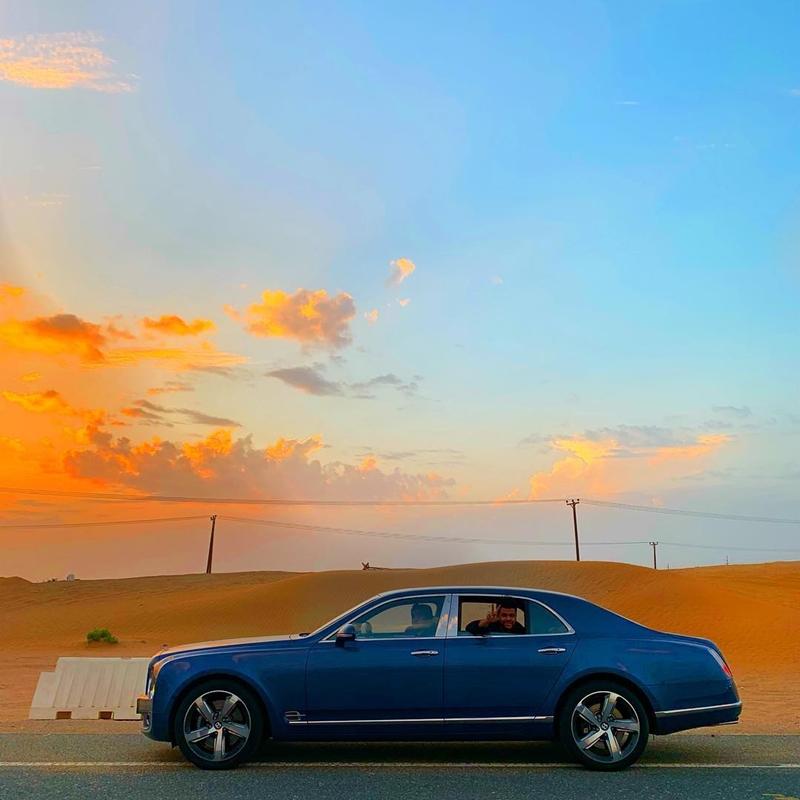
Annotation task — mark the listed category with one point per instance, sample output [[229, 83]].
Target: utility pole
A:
[[655, 558], [211, 544], [574, 503]]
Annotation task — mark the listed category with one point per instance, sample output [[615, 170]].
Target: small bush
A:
[[101, 635]]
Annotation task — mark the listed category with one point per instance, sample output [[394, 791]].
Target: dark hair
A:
[[507, 602], [423, 609]]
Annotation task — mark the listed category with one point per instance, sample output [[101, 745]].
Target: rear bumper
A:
[[681, 719]]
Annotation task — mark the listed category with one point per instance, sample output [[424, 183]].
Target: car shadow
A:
[[487, 753]]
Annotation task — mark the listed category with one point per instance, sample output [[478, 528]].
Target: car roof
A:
[[509, 590]]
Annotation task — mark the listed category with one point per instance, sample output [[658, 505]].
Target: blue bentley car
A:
[[444, 663]]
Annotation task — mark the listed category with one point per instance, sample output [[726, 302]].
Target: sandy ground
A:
[[751, 611]]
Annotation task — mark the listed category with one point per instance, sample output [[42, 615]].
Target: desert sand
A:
[[752, 612]]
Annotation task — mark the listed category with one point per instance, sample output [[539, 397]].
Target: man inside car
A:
[[422, 621], [501, 618]]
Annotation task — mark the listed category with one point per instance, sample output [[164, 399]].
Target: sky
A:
[[384, 252]]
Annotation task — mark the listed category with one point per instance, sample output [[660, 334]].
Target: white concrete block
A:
[[86, 688]]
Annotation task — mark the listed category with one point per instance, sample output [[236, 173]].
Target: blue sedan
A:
[[443, 663]]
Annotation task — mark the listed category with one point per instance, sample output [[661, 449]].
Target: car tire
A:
[[218, 724], [603, 725]]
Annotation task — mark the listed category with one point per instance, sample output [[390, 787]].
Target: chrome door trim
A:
[[700, 708], [370, 721], [452, 628], [426, 720], [498, 719]]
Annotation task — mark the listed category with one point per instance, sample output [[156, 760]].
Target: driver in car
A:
[[501, 618], [422, 621]]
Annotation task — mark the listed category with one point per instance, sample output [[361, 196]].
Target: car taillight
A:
[[718, 658]]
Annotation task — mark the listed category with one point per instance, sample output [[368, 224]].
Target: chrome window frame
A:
[[441, 628], [452, 628]]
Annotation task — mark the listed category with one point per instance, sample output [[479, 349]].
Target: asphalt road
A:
[[682, 767]]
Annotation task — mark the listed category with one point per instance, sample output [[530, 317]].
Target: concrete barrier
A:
[[90, 688]]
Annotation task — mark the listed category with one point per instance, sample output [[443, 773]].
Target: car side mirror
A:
[[345, 634]]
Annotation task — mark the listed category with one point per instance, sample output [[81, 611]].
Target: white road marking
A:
[[376, 765]]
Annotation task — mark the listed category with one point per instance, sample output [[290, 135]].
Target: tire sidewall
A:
[[565, 724], [256, 722]]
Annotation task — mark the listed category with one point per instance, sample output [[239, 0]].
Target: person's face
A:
[[507, 617], [418, 617]]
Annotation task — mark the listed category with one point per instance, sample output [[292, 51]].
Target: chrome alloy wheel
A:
[[605, 727], [217, 726]]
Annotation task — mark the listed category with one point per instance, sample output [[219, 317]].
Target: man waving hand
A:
[[501, 618]]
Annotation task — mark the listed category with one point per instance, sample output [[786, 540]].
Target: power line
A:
[[105, 523], [397, 503], [684, 513], [244, 501], [728, 547], [398, 535]]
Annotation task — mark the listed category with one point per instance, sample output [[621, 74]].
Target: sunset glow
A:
[[264, 257]]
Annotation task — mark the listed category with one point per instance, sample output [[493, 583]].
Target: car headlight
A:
[[152, 676]]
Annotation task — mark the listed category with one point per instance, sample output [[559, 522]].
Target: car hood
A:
[[220, 644]]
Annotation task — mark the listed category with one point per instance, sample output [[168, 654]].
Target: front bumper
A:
[[144, 706]]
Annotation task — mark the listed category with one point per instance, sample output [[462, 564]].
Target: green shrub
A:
[[101, 635]]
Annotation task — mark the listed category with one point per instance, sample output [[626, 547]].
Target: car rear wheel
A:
[[218, 724], [604, 725]]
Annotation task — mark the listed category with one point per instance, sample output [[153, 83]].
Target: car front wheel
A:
[[604, 725], [218, 724]]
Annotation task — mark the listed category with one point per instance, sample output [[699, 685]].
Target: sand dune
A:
[[752, 612]]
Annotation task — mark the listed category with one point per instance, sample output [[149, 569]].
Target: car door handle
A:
[[425, 653], [551, 651]]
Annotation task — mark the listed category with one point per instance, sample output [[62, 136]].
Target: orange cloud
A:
[[9, 445], [371, 316], [310, 317], [59, 61], [31, 377], [173, 325], [169, 387], [9, 292], [50, 402], [606, 466], [56, 335], [405, 302], [399, 271], [286, 448], [703, 446], [233, 467], [180, 359], [369, 463], [512, 495], [69, 336]]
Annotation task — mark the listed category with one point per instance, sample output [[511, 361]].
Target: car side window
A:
[[472, 610], [400, 619], [543, 621]]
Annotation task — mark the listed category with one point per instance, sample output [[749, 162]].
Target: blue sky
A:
[[599, 199]]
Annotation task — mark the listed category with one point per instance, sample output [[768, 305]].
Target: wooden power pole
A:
[[211, 545], [654, 545], [574, 503]]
